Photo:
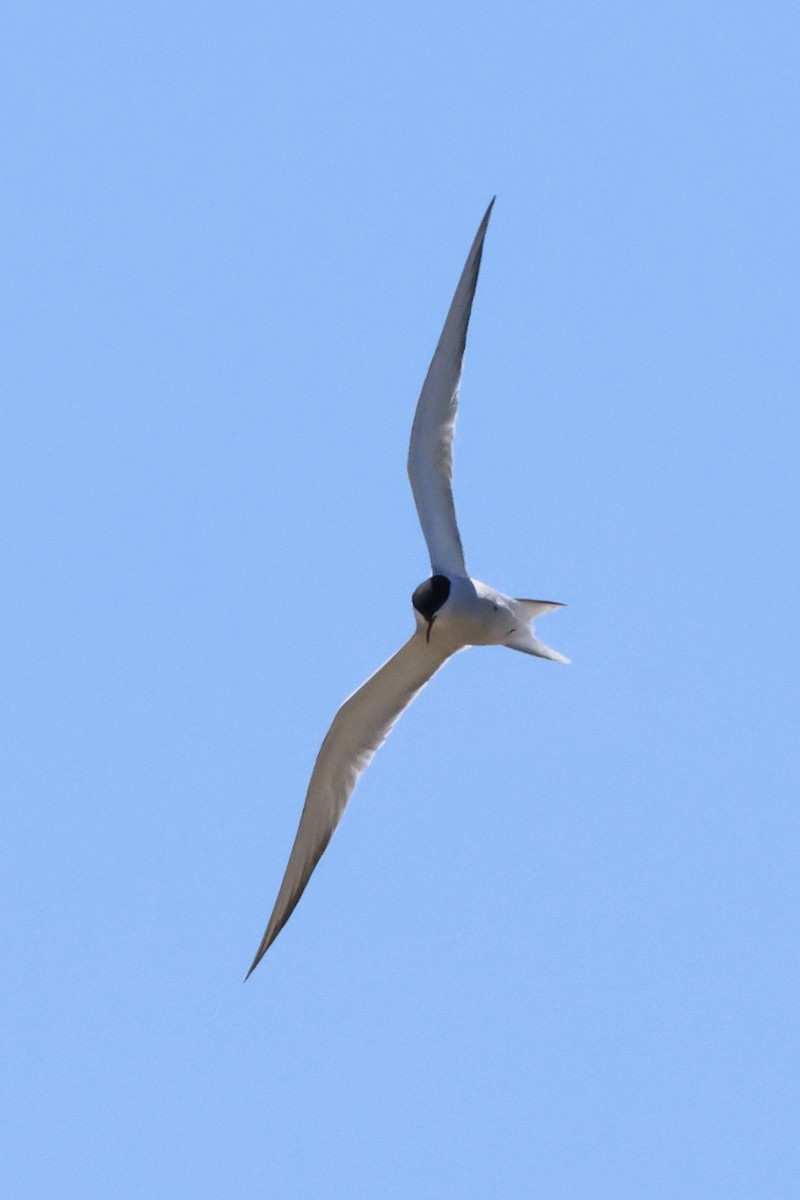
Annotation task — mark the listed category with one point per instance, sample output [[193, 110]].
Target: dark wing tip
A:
[[484, 222], [267, 940], [262, 949]]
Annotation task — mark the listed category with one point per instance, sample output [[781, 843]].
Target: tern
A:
[[451, 610]]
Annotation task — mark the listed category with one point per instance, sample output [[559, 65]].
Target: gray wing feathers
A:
[[359, 728], [430, 455]]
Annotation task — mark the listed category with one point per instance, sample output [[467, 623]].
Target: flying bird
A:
[[451, 611]]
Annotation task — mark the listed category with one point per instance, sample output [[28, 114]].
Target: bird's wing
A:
[[359, 728], [430, 455]]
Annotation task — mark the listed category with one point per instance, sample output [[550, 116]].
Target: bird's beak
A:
[[428, 630]]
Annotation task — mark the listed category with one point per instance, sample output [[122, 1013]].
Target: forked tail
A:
[[522, 637]]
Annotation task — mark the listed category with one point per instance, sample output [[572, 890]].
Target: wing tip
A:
[[259, 954], [480, 235]]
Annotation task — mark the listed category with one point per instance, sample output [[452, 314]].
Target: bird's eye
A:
[[494, 606]]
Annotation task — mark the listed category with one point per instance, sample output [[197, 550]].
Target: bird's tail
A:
[[522, 637]]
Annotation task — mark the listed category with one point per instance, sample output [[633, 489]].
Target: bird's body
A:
[[452, 611], [475, 614]]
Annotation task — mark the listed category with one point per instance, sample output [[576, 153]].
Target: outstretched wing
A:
[[359, 728], [430, 455]]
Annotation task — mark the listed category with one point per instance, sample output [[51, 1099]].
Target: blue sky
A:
[[552, 949]]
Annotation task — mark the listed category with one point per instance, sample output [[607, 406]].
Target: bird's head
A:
[[428, 599]]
